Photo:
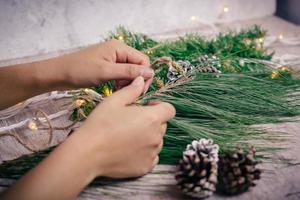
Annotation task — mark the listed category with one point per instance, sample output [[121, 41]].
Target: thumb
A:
[[130, 93], [129, 71]]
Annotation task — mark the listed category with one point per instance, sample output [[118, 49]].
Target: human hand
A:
[[111, 60], [124, 139]]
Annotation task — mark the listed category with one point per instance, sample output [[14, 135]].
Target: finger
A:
[[130, 93], [127, 71], [160, 147], [124, 83], [120, 84], [126, 54], [147, 84], [164, 111], [155, 162], [163, 129]]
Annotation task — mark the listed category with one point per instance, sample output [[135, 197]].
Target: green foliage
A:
[[191, 46], [99, 88], [135, 40], [221, 107], [16, 168]]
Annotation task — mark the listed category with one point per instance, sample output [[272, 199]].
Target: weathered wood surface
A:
[[281, 178]]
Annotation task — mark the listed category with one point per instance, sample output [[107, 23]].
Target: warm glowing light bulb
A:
[[193, 18], [20, 103], [120, 37], [106, 91], [79, 102], [32, 125], [280, 36], [284, 68], [86, 90], [261, 40], [225, 9], [274, 74]]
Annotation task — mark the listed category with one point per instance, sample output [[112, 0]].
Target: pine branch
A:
[[221, 107]]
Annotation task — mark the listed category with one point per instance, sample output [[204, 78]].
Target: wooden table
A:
[[281, 179]]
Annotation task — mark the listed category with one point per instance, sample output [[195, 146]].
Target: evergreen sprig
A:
[[218, 107], [223, 107]]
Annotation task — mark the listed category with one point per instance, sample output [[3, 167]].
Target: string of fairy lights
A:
[[31, 123], [223, 14], [261, 42]]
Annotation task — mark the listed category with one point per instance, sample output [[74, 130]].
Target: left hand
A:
[[112, 60]]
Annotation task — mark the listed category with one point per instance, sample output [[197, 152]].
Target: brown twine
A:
[[50, 129], [169, 62]]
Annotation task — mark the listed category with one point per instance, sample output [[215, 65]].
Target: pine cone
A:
[[173, 75], [207, 69], [209, 61], [197, 171], [237, 171], [186, 66]]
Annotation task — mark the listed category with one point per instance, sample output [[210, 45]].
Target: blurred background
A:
[[35, 29]]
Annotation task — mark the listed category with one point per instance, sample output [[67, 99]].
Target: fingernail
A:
[[147, 72], [138, 81]]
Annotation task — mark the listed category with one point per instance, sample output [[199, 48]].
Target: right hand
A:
[[124, 139]]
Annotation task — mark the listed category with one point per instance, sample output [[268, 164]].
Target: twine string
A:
[[49, 127]]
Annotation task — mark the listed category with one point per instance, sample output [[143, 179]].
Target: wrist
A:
[[48, 75], [86, 152], [65, 172]]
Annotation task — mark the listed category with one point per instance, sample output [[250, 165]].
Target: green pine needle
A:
[[223, 108]]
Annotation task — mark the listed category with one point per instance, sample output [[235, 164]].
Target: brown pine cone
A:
[[237, 171], [197, 171]]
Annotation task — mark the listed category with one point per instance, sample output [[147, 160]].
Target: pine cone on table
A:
[[237, 171], [197, 171]]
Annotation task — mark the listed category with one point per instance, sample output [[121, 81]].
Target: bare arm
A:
[[94, 150], [62, 175], [111, 60], [20, 82]]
